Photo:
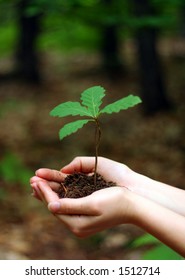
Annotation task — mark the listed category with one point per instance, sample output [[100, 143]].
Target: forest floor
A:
[[153, 146]]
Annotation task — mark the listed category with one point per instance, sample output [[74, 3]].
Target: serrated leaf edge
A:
[[118, 109], [79, 124], [94, 109], [72, 111]]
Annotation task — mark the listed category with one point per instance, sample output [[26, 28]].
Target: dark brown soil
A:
[[79, 185]]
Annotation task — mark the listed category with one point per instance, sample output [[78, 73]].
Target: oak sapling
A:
[[90, 108]]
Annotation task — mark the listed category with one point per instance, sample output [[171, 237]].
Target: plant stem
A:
[[97, 143]]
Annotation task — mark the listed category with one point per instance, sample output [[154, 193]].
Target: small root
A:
[[65, 189]]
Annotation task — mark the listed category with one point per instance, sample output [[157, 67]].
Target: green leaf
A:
[[121, 104], [69, 109], [92, 99], [71, 128]]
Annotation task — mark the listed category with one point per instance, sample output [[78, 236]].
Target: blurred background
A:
[[51, 51]]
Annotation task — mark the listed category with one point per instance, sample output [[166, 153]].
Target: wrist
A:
[[129, 207], [136, 208], [139, 183], [130, 179]]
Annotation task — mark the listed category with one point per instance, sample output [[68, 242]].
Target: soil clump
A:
[[80, 185]]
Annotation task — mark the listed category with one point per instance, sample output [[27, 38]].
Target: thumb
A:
[[69, 206], [54, 206]]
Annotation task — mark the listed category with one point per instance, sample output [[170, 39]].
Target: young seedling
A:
[[91, 100]]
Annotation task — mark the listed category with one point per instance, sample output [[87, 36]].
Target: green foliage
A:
[[7, 37], [145, 239], [69, 108], [91, 101], [81, 21], [159, 252], [12, 170], [102, 13], [71, 128], [122, 104]]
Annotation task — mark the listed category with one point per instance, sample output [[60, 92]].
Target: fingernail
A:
[[54, 206], [33, 185], [37, 172]]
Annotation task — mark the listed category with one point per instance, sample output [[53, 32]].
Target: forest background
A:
[[51, 51]]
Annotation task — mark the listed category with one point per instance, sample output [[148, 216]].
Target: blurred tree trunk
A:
[[27, 65], [110, 47], [182, 20], [153, 91], [180, 41]]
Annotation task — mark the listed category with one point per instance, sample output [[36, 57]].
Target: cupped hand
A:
[[109, 169], [85, 216], [49, 176]]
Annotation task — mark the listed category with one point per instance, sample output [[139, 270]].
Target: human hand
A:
[[127, 203], [96, 211], [86, 216], [52, 177], [109, 169]]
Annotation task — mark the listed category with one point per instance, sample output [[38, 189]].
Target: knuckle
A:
[[96, 209], [76, 159]]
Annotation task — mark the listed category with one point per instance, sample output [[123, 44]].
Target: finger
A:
[[35, 179], [81, 226], [80, 164], [68, 206], [47, 194], [50, 174], [36, 192], [53, 185]]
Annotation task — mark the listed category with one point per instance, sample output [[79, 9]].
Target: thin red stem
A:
[[97, 143]]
